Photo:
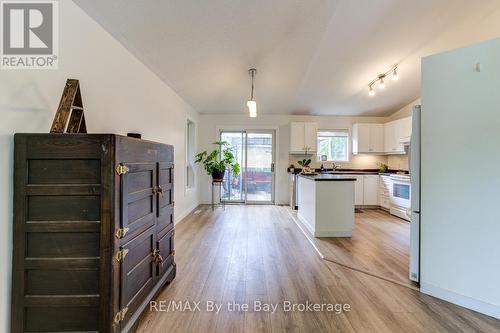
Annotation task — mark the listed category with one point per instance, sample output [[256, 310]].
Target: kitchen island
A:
[[326, 204]]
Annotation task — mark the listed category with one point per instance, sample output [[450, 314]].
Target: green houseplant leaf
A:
[[219, 159]]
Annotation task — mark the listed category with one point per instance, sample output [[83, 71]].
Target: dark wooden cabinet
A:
[[93, 231]]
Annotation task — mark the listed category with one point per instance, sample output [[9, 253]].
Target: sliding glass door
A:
[[254, 150], [233, 189], [259, 167]]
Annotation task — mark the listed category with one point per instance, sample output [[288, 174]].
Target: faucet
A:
[[335, 166]]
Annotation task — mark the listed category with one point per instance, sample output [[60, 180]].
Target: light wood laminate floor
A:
[[248, 253], [380, 245]]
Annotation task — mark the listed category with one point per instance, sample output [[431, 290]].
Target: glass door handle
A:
[[272, 167]]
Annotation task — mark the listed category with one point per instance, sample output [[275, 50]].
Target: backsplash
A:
[[395, 162], [398, 162], [356, 162]]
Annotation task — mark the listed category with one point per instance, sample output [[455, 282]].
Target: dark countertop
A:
[[321, 177], [353, 171]]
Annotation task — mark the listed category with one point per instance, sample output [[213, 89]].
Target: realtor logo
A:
[[29, 34]]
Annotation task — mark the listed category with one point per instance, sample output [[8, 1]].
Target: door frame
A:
[[256, 129]]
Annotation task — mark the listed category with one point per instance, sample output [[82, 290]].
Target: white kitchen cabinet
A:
[[296, 137], [377, 138], [390, 138], [394, 132], [311, 135], [404, 128], [385, 188], [358, 190], [303, 134], [370, 190], [367, 138]]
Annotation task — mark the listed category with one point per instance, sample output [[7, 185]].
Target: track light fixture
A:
[[380, 80], [382, 83], [371, 92]]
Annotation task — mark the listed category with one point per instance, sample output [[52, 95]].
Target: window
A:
[[333, 145], [190, 152]]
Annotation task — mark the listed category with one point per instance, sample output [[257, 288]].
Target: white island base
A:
[[326, 205]]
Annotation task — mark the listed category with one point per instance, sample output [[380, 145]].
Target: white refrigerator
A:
[[415, 195]]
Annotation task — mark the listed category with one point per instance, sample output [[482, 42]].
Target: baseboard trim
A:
[[323, 233], [333, 233], [464, 301]]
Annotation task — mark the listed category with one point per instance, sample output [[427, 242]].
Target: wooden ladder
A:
[[70, 108]]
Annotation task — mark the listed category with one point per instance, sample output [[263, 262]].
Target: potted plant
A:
[[304, 163], [383, 168], [218, 160]]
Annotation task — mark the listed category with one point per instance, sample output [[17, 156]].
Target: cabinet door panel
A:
[[364, 138], [311, 136], [297, 136], [165, 202], [138, 207], [405, 127], [370, 189], [166, 246], [389, 137], [358, 191], [376, 138], [137, 272]]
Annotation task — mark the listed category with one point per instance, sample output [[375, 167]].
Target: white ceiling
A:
[[312, 57]]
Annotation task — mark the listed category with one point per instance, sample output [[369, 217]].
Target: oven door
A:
[[401, 194]]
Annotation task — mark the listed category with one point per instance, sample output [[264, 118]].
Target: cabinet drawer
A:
[[385, 202], [384, 192]]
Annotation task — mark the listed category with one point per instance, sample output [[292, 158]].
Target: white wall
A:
[[208, 131], [460, 182], [405, 111], [119, 94]]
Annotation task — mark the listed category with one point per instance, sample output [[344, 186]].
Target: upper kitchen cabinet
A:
[[302, 135], [395, 132], [405, 129], [367, 138]]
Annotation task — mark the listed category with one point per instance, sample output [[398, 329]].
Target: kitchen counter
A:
[[326, 204], [327, 177], [352, 171]]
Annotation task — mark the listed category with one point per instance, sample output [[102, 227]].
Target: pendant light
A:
[[251, 104]]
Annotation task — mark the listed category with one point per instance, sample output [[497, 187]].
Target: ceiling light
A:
[[251, 104], [395, 76], [252, 109], [382, 83], [380, 79], [371, 92]]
